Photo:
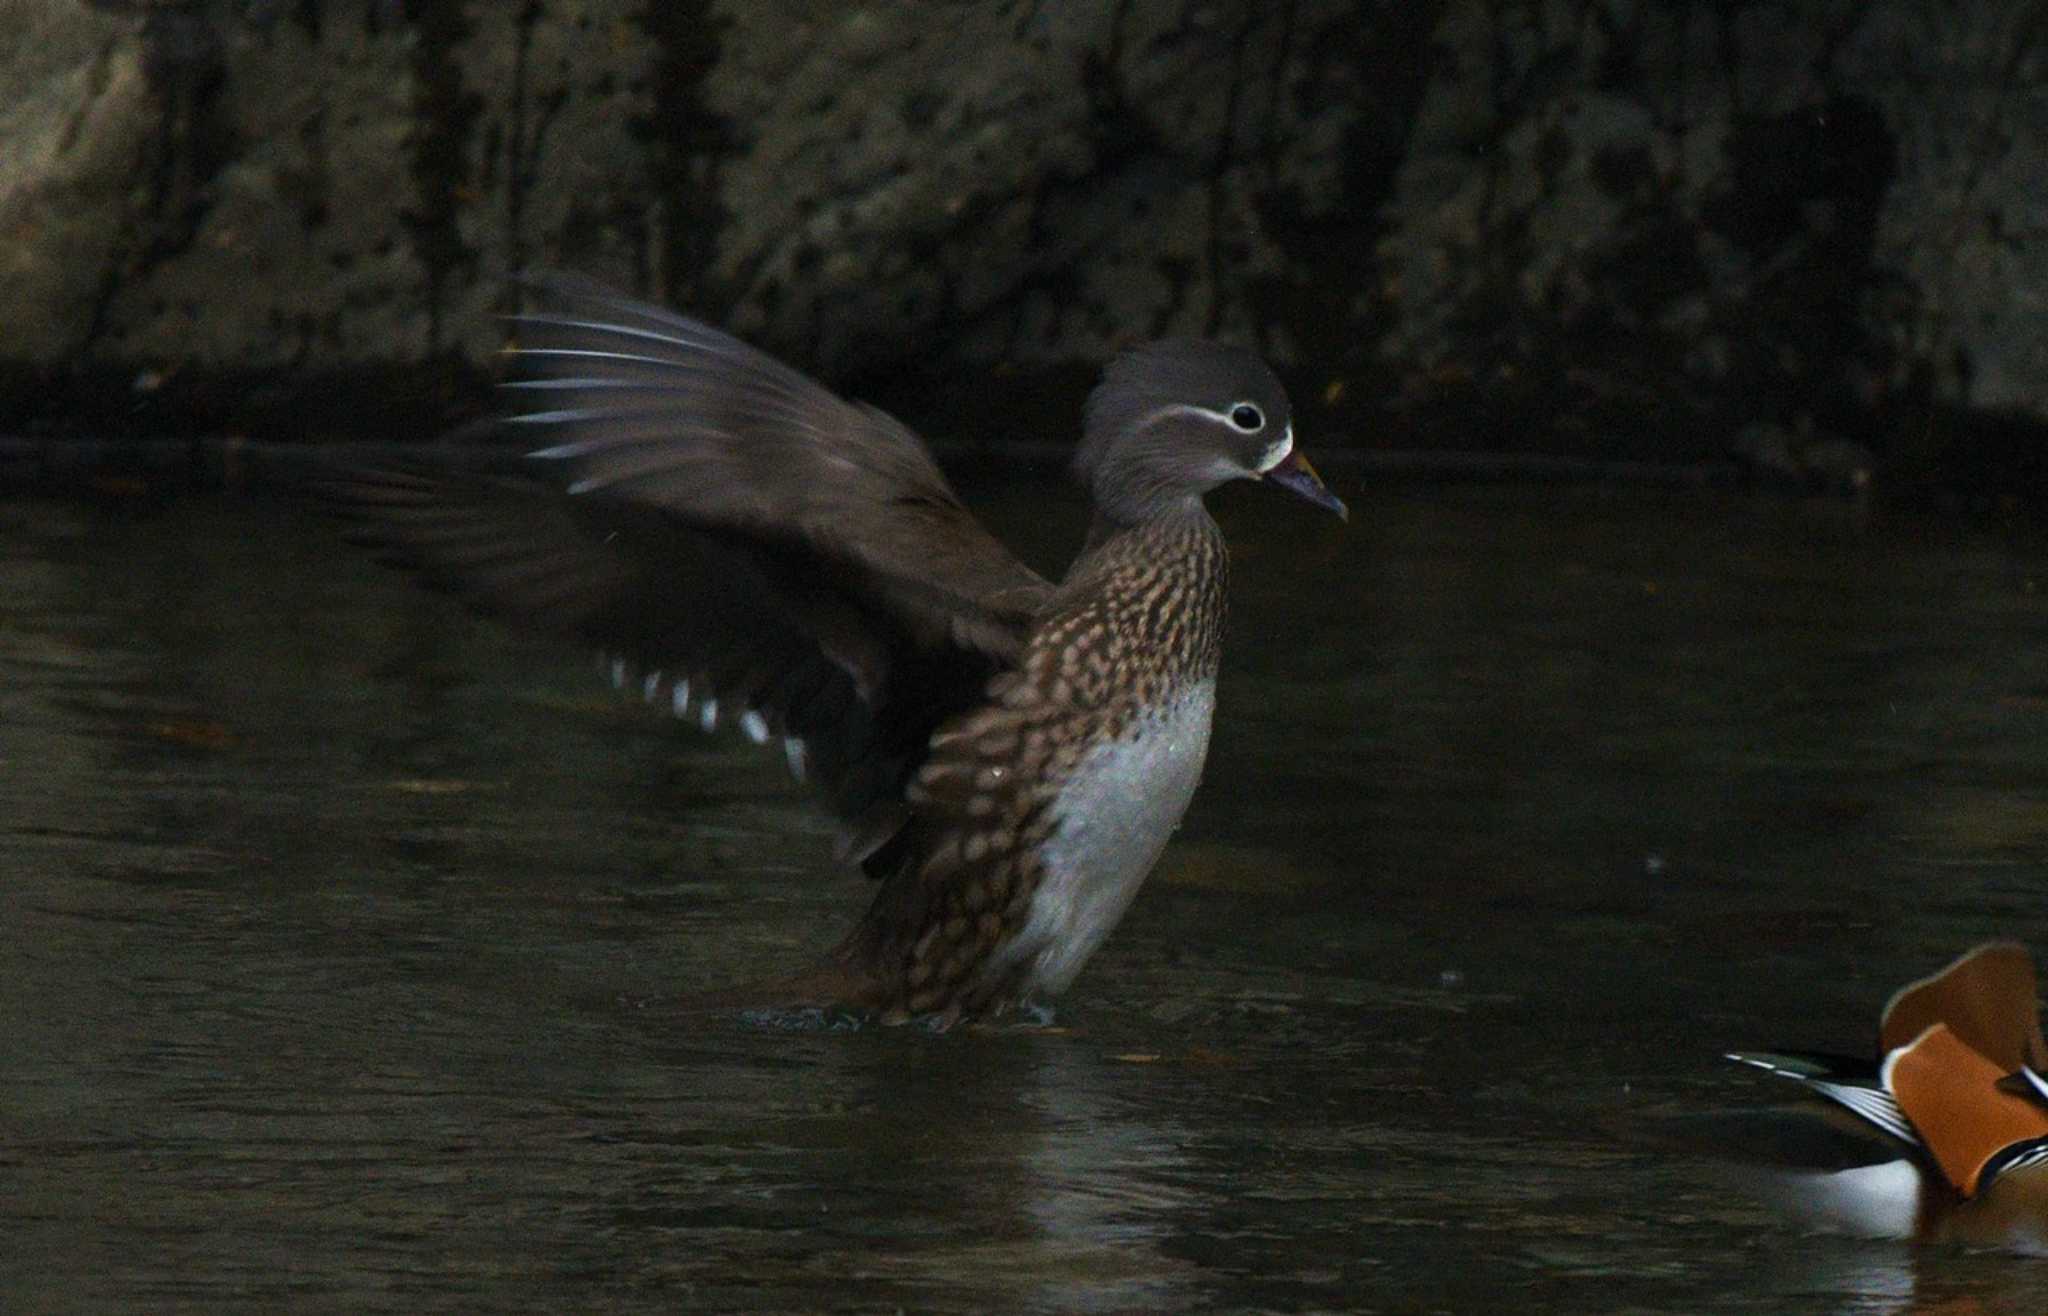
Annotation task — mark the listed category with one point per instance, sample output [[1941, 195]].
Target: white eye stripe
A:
[[1207, 413]]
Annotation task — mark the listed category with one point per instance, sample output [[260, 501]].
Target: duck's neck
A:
[[1160, 584], [1166, 516]]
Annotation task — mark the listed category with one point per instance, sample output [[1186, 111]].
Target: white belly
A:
[[1111, 820]]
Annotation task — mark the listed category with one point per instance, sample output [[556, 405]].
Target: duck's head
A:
[[1173, 419]]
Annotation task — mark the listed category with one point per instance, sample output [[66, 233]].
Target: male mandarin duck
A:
[[1006, 756], [1956, 1111]]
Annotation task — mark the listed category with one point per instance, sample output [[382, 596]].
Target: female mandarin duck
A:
[[1006, 756], [1957, 1107]]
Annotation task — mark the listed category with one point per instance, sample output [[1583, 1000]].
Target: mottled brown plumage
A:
[[1005, 756], [1140, 620]]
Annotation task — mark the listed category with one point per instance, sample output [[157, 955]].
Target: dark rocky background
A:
[[1814, 235]]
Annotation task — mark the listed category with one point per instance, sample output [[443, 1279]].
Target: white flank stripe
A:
[[1874, 1201]]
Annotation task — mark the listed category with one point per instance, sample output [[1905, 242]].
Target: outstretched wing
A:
[[744, 543], [647, 406]]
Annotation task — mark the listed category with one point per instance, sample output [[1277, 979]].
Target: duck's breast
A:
[[1111, 817]]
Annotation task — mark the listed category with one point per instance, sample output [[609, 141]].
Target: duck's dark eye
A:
[[1247, 418]]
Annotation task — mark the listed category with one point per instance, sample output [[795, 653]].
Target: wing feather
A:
[[656, 408]]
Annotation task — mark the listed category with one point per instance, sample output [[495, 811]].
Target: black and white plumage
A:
[[1954, 1113], [1004, 755]]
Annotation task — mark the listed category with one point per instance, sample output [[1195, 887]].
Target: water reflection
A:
[[326, 910]]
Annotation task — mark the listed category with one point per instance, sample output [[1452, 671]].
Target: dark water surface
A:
[[325, 912]]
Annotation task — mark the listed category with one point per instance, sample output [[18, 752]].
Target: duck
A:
[[1004, 756], [1949, 1120]]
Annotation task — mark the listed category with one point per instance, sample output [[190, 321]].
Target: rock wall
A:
[[1599, 225]]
